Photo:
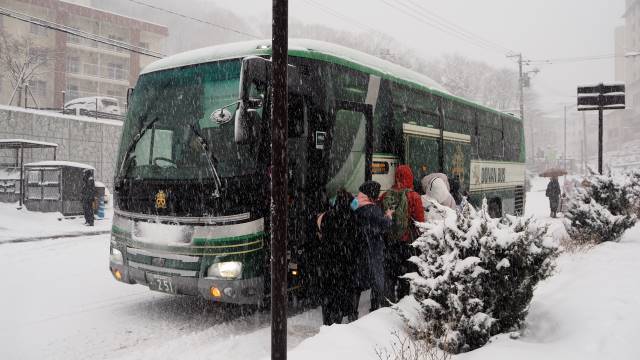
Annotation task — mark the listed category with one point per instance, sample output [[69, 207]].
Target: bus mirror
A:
[[255, 71], [129, 94], [246, 124]]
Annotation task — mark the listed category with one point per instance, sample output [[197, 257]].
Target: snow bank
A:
[[588, 310], [24, 224]]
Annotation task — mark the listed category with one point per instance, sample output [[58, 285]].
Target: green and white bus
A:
[[193, 169]]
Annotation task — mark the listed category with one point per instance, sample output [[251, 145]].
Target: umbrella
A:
[[553, 172]]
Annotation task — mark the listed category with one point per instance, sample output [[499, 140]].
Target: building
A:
[[622, 126], [78, 67], [631, 49]]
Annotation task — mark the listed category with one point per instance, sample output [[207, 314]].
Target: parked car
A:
[[102, 104]]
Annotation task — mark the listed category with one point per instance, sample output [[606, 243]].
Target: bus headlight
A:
[[116, 256], [225, 270]]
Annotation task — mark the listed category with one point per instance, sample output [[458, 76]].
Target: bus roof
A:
[[312, 49]]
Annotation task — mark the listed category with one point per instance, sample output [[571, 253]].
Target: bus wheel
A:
[[495, 207]]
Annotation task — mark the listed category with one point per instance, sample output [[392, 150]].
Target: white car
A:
[[103, 104]]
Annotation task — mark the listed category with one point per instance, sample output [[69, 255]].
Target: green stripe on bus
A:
[[215, 242]]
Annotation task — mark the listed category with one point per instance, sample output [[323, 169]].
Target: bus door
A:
[[348, 147]]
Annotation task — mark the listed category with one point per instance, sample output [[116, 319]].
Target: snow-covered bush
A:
[[476, 276], [633, 190], [600, 211]]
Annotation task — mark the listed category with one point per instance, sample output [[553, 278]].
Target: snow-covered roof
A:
[[301, 48], [60, 163], [24, 143]]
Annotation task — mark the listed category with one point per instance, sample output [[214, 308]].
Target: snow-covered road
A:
[[59, 301]]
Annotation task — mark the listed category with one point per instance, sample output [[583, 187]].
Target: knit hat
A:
[[371, 189]]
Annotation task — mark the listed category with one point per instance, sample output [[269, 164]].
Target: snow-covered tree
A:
[[476, 276], [633, 190], [600, 211]]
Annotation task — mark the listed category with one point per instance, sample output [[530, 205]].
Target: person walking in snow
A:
[[407, 208], [553, 193], [88, 193], [337, 270], [373, 224]]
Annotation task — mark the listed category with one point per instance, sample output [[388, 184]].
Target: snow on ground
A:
[[59, 301], [24, 224], [587, 310]]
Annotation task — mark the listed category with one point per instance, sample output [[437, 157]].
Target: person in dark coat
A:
[[337, 270], [373, 224], [88, 194], [553, 193]]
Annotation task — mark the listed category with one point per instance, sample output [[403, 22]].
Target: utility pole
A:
[[584, 143], [521, 85], [564, 155], [279, 186]]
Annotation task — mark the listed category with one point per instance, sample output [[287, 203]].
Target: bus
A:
[[192, 183]]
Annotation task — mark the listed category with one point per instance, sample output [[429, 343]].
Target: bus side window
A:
[[475, 148]]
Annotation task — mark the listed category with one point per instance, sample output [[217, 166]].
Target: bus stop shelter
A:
[[19, 145]]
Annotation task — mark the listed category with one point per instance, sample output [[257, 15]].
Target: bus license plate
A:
[[161, 283]]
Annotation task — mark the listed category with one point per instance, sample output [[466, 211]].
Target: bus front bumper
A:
[[239, 291]]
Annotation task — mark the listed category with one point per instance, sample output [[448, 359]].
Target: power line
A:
[[467, 37], [455, 27], [196, 19], [567, 60], [79, 33], [338, 15]]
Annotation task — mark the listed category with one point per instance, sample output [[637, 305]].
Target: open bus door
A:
[[339, 154]]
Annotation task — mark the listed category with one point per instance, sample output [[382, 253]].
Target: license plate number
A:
[[161, 283]]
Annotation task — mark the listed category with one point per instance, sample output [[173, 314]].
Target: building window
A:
[[38, 87], [73, 92], [38, 54], [73, 64], [116, 71], [118, 39], [38, 30]]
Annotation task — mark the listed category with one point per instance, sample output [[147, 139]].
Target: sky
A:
[[542, 29]]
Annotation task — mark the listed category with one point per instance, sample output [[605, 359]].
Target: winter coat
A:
[[372, 226], [436, 188], [553, 193], [88, 191], [337, 250], [404, 180]]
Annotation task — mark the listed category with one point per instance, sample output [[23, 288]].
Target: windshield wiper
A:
[[204, 146], [132, 145]]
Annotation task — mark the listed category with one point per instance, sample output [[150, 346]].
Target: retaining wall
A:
[[81, 139]]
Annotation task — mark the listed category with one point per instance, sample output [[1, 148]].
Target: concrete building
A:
[[631, 70], [77, 66]]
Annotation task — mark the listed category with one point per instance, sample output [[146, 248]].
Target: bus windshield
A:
[[180, 102]]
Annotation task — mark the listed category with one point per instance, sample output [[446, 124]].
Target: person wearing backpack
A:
[[406, 205]]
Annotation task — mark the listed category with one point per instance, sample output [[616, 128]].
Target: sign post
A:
[[601, 97], [279, 186]]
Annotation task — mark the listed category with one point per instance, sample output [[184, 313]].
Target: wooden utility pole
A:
[[279, 186]]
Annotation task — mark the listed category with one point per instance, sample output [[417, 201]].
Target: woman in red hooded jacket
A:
[[399, 249]]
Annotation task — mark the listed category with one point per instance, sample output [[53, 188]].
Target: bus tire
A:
[[495, 207]]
